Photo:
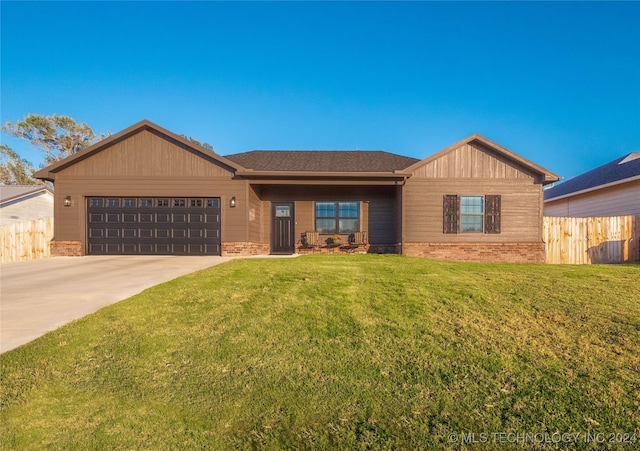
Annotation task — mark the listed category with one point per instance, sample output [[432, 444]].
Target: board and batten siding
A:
[[619, 200], [472, 170], [148, 154], [147, 164], [472, 160]]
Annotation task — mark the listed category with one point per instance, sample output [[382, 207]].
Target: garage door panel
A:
[[153, 226], [146, 233], [179, 233], [112, 248], [96, 233], [179, 218], [130, 218], [130, 249], [147, 248]]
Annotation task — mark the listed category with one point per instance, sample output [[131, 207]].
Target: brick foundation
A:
[[244, 248], [66, 248], [332, 250], [479, 252]]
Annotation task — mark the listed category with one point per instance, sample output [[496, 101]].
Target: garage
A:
[[153, 225]]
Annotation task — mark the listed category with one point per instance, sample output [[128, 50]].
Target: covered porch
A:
[[307, 216]]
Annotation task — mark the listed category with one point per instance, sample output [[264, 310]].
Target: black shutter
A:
[[451, 209], [492, 204]]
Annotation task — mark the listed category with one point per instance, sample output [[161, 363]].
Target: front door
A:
[[282, 225]]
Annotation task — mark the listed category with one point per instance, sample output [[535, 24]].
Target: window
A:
[[196, 202], [337, 217], [97, 202], [146, 202], [283, 211], [471, 214], [128, 202]]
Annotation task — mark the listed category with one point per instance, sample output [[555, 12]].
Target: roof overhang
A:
[[593, 188], [323, 178], [27, 194]]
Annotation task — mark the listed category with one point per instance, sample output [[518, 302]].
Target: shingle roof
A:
[[615, 171], [322, 160], [9, 192]]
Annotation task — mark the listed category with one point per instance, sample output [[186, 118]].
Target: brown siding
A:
[[70, 223], [304, 217], [617, 200], [148, 153], [258, 218], [378, 212], [148, 164], [521, 210], [472, 161]]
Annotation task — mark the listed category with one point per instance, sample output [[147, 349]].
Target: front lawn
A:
[[340, 352]]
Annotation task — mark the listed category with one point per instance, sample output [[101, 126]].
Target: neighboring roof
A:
[[618, 171], [49, 172], [546, 175], [322, 161], [15, 192]]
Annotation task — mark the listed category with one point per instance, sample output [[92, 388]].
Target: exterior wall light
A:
[[232, 202], [67, 201]]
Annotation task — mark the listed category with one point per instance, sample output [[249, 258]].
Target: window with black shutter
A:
[[451, 212], [492, 213], [471, 214]]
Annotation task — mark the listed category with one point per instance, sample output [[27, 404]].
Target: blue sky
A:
[[558, 83]]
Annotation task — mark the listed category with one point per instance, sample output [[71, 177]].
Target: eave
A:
[[323, 178], [593, 188]]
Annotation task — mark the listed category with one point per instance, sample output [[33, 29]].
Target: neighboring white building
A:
[[612, 189], [25, 203]]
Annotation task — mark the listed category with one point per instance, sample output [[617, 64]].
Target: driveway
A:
[[38, 296]]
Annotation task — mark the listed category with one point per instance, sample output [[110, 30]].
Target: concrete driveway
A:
[[41, 295]]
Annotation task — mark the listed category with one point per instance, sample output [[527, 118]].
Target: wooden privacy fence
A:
[[26, 240], [613, 239]]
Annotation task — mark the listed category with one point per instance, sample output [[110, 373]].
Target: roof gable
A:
[[49, 172], [616, 171], [519, 164], [365, 161]]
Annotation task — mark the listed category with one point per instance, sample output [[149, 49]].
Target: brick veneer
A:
[[244, 248], [66, 248], [332, 250], [479, 252]]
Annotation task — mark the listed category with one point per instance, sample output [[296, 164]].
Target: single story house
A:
[[146, 190], [612, 189], [21, 203]]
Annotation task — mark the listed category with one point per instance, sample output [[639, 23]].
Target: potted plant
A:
[[336, 240]]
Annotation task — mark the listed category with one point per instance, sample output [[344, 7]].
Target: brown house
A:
[[147, 190]]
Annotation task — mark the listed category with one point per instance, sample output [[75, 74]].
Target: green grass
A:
[[337, 352]]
